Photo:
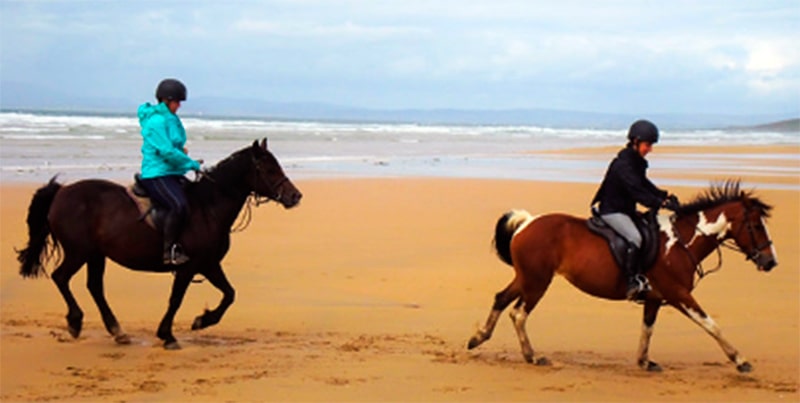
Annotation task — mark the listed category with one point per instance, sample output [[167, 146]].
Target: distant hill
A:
[[783, 126], [17, 96]]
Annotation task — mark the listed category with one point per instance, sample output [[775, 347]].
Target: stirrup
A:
[[638, 285], [174, 256]]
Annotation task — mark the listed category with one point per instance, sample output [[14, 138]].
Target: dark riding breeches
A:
[[167, 192]]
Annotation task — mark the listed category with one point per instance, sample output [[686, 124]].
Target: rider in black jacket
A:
[[626, 184]]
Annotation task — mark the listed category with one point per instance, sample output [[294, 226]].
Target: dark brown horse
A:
[[91, 220], [540, 247]]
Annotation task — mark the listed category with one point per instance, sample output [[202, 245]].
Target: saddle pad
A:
[[143, 204]]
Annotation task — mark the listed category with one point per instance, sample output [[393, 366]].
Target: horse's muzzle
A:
[[768, 265], [291, 198]]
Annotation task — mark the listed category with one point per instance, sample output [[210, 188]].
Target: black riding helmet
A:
[[643, 130], [170, 89]]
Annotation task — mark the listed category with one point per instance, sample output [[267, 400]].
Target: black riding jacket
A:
[[626, 184]]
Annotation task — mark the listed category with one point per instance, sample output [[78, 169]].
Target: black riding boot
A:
[[638, 284], [173, 253]]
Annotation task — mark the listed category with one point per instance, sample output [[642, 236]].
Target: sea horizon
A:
[[36, 146]]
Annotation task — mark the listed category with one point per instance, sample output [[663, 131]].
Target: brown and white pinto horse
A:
[[542, 246]]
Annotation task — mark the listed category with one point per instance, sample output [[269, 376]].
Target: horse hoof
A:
[[541, 361], [198, 323], [74, 331], [744, 367], [474, 342], [122, 339], [173, 345], [652, 367]]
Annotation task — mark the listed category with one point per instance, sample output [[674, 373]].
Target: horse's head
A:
[[749, 231], [728, 213], [266, 178]]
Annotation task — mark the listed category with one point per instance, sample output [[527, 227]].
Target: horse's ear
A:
[[264, 144], [255, 144]]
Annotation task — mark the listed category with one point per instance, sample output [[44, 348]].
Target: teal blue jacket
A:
[[164, 138]]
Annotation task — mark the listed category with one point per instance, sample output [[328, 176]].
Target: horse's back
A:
[[559, 243], [77, 197], [80, 207], [546, 237]]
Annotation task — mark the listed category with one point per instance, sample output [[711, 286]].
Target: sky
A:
[[625, 56]]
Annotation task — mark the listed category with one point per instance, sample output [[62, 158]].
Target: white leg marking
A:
[[488, 328], [644, 344], [484, 333], [711, 327], [519, 316]]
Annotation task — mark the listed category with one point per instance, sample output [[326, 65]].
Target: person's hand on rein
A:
[[671, 203]]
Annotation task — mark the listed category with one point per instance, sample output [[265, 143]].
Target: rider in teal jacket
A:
[[164, 139], [165, 162]]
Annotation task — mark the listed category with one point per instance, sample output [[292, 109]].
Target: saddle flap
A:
[[148, 211], [646, 223], [137, 187], [616, 243]]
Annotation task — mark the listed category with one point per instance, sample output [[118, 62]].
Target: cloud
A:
[[306, 29], [445, 53]]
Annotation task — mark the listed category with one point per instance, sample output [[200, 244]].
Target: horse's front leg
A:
[[689, 307], [651, 308], [182, 279], [218, 279]]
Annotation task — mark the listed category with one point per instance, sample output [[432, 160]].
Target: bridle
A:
[[275, 189], [754, 254]]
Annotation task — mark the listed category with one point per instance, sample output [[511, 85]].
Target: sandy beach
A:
[[369, 290]]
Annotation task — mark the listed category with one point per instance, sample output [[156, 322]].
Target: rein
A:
[[253, 198], [701, 273]]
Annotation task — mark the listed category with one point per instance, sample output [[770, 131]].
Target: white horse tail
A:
[[507, 226]]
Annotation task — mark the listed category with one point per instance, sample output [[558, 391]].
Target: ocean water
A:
[[36, 146]]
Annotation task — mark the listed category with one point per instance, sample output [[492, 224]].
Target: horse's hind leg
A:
[[94, 282], [61, 276], [218, 279], [501, 300], [532, 293]]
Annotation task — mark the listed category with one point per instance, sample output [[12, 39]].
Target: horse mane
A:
[[229, 171], [720, 193]]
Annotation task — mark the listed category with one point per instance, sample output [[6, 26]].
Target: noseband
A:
[[755, 253], [275, 189]]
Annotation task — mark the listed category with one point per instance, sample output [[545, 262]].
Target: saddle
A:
[[646, 223], [149, 212]]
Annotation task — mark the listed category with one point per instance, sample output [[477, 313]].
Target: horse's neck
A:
[[222, 202], [705, 230]]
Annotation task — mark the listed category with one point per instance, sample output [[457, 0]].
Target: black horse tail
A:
[[505, 229], [39, 249]]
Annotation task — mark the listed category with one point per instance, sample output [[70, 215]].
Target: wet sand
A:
[[369, 290]]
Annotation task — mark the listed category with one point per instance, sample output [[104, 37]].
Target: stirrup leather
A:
[[174, 256]]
